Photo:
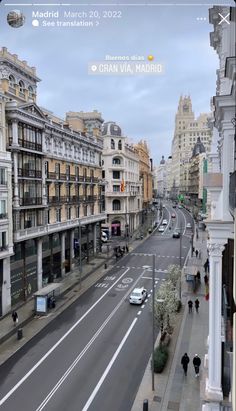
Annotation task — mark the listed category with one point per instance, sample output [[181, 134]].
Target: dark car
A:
[[176, 234]]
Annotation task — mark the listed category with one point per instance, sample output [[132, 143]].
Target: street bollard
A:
[[145, 405], [105, 266]]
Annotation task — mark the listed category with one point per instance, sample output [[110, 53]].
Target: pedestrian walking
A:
[[184, 362], [196, 253], [206, 279], [206, 266], [197, 303], [190, 306], [198, 275], [14, 317], [193, 251], [127, 249], [196, 364], [199, 254]]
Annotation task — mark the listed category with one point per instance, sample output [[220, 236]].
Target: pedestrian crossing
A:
[[157, 270], [158, 256]]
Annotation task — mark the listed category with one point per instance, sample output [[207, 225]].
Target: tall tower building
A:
[[187, 131]]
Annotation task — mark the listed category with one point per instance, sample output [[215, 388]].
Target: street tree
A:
[[165, 305], [174, 274]]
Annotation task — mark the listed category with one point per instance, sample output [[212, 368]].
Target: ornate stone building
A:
[[220, 363], [145, 173], [57, 207], [187, 131], [123, 189]]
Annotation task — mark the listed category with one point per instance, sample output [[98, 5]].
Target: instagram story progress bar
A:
[[121, 3]]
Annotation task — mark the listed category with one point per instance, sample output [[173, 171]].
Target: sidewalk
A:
[[174, 391]]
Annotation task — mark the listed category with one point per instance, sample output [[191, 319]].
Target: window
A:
[[58, 215], [67, 170], [3, 209], [12, 81], [2, 176], [116, 205], [103, 173], [57, 170], [3, 241], [116, 175], [69, 213], [21, 87], [31, 92], [119, 145], [116, 188], [46, 168], [112, 144], [116, 160]]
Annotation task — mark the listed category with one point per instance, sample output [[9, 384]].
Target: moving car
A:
[[164, 222], [176, 234], [173, 215], [161, 229], [138, 296], [188, 225], [104, 237]]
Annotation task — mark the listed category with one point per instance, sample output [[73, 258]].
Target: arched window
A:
[[119, 145], [31, 92], [116, 160], [12, 81], [21, 86], [112, 144], [116, 205]]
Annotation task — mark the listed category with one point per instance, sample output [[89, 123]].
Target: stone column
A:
[[72, 250], [63, 252], [15, 184], [40, 263], [15, 133], [6, 286], [94, 239], [213, 386]]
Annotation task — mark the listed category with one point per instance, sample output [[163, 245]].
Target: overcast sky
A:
[[144, 106]]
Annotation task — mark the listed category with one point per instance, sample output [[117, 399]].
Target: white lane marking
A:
[[149, 295], [150, 291], [20, 382], [78, 358], [185, 222], [139, 313], [146, 300], [149, 278], [100, 382], [142, 306]]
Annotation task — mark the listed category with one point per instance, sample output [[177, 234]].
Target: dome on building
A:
[[162, 160], [198, 148], [111, 129]]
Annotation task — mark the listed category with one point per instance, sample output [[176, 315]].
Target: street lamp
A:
[[153, 318], [180, 259]]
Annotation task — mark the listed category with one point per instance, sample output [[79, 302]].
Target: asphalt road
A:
[[92, 357]]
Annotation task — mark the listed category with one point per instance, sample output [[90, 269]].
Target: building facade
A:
[[57, 207], [220, 182], [161, 178], [195, 180], [6, 241], [187, 130], [123, 188], [145, 173]]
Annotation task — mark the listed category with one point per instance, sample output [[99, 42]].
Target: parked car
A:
[[161, 229], [176, 234], [138, 296], [104, 237], [164, 222], [188, 225]]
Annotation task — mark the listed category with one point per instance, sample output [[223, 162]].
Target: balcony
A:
[[29, 144], [39, 231], [29, 173], [232, 192], [31, 201], [116, 194], [3, 216]]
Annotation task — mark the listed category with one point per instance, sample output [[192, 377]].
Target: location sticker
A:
[[150, 57]]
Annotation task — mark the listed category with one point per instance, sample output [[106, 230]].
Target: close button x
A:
[[224, 18]]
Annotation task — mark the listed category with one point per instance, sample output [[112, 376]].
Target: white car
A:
[[188, 225], [161, 229], [164, 222], [138, 296]]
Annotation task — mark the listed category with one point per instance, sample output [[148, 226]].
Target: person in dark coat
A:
[[184, 362], [197, 303], [196, 253], [190, 306], [196, 364], [205, 279], [198, 275], [14, 317]]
